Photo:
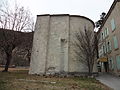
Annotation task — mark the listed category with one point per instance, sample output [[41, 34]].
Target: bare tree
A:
[[8, 43], [17, 19], [24, 49], [86, 48], [27, 45], [10, 40]]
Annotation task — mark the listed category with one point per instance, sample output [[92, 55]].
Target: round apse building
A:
[[52, 50]]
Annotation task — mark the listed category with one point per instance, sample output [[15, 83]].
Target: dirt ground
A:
[[14, 69]]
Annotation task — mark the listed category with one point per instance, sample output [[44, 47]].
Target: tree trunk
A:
[[29, 60], [90, 70], [90, 73], [9, 56]]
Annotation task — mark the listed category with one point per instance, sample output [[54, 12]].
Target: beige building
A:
[[109, 45], [52, 50]]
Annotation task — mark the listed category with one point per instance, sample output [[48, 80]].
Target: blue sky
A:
[[89, 8]]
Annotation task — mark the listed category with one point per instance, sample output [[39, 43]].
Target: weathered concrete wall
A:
[[77, 24], [39, 50], [52, 48], [57, 59]]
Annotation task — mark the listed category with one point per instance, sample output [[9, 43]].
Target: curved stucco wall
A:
[[77, 24], [52, 49]]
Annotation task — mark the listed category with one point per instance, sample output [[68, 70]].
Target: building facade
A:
[[52, 50], [109, 43]]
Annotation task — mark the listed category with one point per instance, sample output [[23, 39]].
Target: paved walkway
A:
[[109, 80]]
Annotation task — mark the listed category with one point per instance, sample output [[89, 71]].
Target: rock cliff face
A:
[[53, 50]]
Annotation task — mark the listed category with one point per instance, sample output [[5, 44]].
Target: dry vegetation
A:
[[20, 80]]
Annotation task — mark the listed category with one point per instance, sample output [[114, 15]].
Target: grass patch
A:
[[2, 85], [20, 80]]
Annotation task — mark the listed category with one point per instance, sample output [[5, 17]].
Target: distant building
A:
[[53, 44], [109, 44]]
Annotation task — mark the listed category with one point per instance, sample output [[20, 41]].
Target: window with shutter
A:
[[102, 52], [118, 62], [107, 31], [103, 35], [113, 24], [115, 42], [108, 46], [111, 63], [104, 48]]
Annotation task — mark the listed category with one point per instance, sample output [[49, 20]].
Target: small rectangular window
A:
[[113, 24]]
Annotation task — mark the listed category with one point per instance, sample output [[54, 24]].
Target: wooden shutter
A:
[[113, 24], [115, 42], [118, 62]]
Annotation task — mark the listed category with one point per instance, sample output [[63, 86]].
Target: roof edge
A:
[[84, 18], [108, 13], [68, 15]]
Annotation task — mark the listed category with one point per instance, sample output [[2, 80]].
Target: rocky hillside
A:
[[23, 44]]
